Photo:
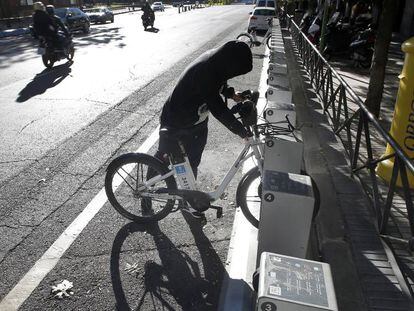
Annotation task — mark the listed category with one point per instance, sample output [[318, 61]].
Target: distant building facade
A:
[[16, 8]]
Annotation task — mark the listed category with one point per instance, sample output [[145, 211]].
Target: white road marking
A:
[[17, 296]]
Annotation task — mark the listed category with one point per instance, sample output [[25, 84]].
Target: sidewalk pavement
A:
[[358, 79], [364, 276]]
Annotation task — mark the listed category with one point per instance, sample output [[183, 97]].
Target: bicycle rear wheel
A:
[[244, 37], [125, 175], [248, 196]]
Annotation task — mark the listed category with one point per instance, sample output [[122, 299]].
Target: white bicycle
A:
[[251, 39], [144, 189]]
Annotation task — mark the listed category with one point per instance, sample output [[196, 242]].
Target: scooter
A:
[[362, 48], [314, 30], [306, 22], [338, 37], [51, 54]]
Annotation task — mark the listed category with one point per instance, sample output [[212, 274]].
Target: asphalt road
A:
[[40, 107], [60, 129]]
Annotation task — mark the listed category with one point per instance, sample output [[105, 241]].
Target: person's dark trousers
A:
[[194, 144]]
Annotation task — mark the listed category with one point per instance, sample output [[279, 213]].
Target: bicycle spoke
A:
[[125, 179]]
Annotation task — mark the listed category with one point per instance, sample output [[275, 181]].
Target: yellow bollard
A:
[[402, 127]]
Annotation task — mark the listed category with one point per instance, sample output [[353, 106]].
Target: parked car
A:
[[100, 15], [157, 6], [74, 19], [259, 16], [266, 3]]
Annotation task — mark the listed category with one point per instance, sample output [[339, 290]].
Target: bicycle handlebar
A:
[[248, 115]]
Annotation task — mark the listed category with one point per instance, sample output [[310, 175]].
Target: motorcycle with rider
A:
[[54, 37], [148, 17]]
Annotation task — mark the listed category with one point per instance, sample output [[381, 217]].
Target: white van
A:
[[266, 3]]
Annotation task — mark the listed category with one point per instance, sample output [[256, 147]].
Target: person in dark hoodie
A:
[[61, 32], [42, 22], [198, 92]]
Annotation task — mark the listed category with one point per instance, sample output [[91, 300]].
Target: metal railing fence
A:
[[361, 133]]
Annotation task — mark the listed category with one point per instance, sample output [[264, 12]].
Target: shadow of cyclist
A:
[[48, 78], [177, 275]]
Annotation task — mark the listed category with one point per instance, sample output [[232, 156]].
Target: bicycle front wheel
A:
[[248, 196], [246, 39], [124, 182]]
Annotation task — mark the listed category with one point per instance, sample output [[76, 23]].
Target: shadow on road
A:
[[16, 50], [176, 279], [100, 36], [153, 29], [48, 78]]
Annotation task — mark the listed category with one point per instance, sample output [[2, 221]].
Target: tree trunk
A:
[[379, 60]]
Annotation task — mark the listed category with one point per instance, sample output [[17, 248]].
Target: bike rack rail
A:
[[361, 134]]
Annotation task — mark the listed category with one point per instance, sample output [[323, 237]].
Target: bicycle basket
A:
[[248, 113]]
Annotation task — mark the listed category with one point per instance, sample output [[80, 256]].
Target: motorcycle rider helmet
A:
[[50, 9], [38, 6]]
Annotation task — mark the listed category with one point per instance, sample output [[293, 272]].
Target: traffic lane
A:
[[19, 58], [185, 244], [57, 103]]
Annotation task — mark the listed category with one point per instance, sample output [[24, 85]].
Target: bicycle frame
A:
[[254, 37], [254, 143]]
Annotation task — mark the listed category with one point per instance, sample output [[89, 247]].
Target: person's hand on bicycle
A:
[[238, 97]]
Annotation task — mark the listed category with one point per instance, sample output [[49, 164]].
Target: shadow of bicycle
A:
[[170, 277]]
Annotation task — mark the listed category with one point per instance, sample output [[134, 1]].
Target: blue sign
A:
[[180, 169]]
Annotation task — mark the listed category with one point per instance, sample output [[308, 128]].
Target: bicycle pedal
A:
[[219, 211]]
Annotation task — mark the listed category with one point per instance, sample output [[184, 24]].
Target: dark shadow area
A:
[[177, 279], [17, 49], [48, 78], [152, 29], [99, 36]]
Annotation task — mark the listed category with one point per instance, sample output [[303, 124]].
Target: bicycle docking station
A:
[[277, 68], [275, 81], [293, 284], [277, 112], [275, 151], [286, 279], [278, 96], [285, 214]]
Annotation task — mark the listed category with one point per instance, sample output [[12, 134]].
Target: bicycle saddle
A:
[[174, 133]]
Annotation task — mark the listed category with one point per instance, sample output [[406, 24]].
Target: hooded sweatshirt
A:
[[198, 90], [43, 24]]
